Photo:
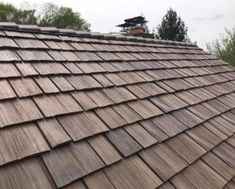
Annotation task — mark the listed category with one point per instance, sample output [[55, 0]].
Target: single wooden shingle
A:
[[163, 160], [104, 149], [115, 79], [98, 180], [69, 163], [57, 104], [6, 90], [50, 68], [204, 137], [145, 108], [82, 125], [169, 102], [104, 81], [186, 147], [219, 165], [88, 56], [70, 56], [26, 174], [7, 42], [76, 185], [18, 111], [181, 182], [83, 82], [20, 142], [56, 55], [187, 117], [53, 132], [31, 44], [46, 85], [202, 176], [84, 100], [119, 94], [169, 124], [62, 83], [99, 98], [8, 56], [127, 113], [226, 152], [73, 68], [34, 55], [141, 135], [155, 131], [25, 87], [26, 69], [132, 173], [111, 117], [123, 142], [8, 70]]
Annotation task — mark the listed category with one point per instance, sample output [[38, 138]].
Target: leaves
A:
[[51, 15], [9, 13], [172, 28], [224, 47]]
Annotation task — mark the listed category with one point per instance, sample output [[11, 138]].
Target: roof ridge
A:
[[77, 33]]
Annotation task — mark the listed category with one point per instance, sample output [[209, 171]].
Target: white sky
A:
[[206, 19]]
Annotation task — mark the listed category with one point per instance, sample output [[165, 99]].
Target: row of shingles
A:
[[169, 163], [80, 47], [90, 39], [62, 84], [66, 48]]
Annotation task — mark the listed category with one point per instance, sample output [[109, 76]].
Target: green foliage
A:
[[172, 28], [62, 17], [224, 48], [9, 13], [51, 15]]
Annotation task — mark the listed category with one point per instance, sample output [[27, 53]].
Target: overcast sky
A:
[[206, 19]]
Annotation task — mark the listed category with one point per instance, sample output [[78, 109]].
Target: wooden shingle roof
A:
[[84, 110]]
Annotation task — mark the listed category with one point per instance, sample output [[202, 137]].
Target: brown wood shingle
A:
[[82, 125], [85, 110]]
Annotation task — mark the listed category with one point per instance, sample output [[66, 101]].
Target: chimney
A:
[[135, 26], [137, 31]]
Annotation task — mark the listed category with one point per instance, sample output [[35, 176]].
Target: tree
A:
[[9, 13], [62, 17], [224, 47], [50, 15], [172, 28]]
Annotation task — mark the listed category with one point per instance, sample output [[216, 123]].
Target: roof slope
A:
[[85, 110]]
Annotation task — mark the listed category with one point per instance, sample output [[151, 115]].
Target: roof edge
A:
[[11, 26]]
